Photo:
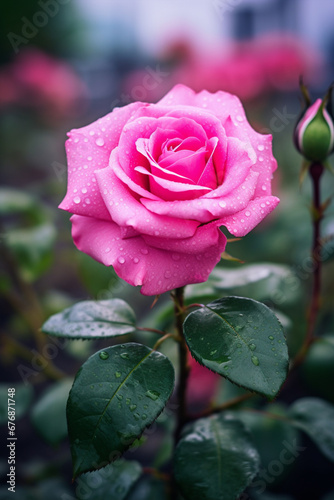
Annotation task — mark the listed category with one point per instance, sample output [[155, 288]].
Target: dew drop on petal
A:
[[89, 158], [261, 158], [222, 204], [91, 132], [239, 118], [107, 250], [121, 260], [84, 190], [99, 141], [260, 147], [77, 199], [87, 200], [136, 260], [264, 188], [247, 213], [144, 251]]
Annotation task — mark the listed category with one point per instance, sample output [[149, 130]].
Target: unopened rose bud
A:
[[314, 132]]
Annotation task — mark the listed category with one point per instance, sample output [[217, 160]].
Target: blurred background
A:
[[63, 64]]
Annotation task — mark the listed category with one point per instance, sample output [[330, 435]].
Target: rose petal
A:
[[133, 260], [126, 210], [88, 149], [240, 223], [205, 237], [171, 190], [204, 209]]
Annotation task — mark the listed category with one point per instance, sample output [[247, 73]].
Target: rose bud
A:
[[314, 132]]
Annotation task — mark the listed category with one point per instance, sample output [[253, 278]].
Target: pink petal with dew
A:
[[264, 162], [158, 271], [206, 236], [88, 149], [205, 210], [241, 223], [127, 211]]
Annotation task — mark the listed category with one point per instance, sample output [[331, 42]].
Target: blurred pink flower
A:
[[248, 69], [37, 79], [202, 384]]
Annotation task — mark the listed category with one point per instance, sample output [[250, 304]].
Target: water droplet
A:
[[260, 147], [261, 158], [273, 349], [84, 190], [252, 347], [144, 416], [135, 260], [91, 132], [121, 260], [87, 200], [264, 188], [222, 204], [239, 118], [133, 407], [118, 374], [144, 251], [271, 337], [125, 355], [99, 141], [137, 416], [89, 158], [128, 401], [119, 396], [247, 213], [212, 353], [152, 395], [77, 199], [168, 274], [92, 387], [255, 360], [104, 355], [107, 250]]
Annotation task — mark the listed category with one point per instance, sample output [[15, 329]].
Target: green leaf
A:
[[91, 320], [270, 435], [49, 414], [114, 481], [258, 281], [23, 397], [214, 459], [318, 367], [116, 394], [316, 418], [242, 340]]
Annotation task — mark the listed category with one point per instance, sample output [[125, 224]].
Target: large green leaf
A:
[[23, 397], [242, 340], [316, 418], [49, 414], [214, 459], [116, 394], [92, 319], [114, 481]]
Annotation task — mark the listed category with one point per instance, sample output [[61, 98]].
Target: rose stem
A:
[[316, 170], [179, 310]]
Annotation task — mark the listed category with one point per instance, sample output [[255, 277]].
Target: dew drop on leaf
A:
[[152, 395], [255, 360]]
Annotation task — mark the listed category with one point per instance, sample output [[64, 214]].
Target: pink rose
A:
[[150, 185]]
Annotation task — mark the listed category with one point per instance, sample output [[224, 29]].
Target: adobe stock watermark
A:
[[223, 6], [151, 80], [289, 453], [279, 121], [30, 27]]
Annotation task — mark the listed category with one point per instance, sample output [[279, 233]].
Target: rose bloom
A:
[[150, 185]]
